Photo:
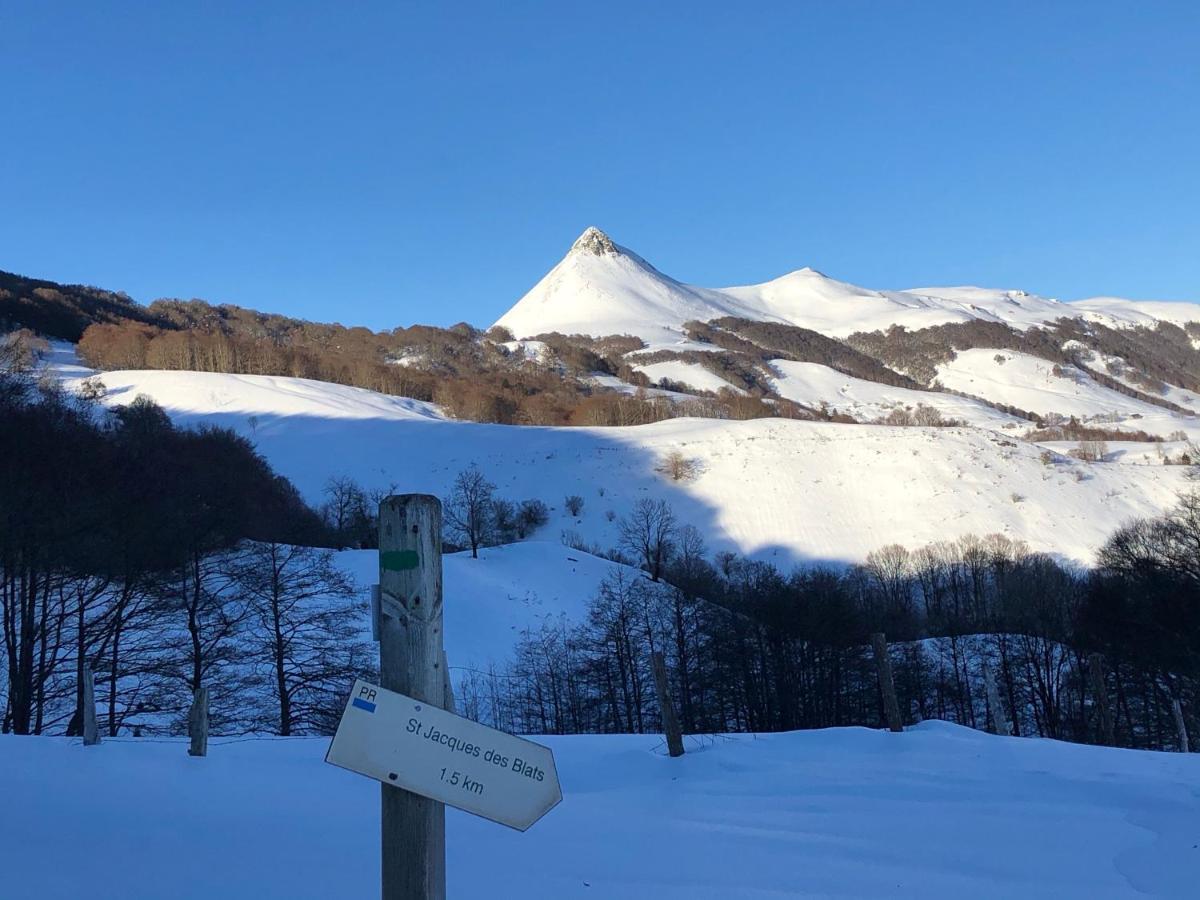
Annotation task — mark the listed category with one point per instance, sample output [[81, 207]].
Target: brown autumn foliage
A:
[[470, 378]]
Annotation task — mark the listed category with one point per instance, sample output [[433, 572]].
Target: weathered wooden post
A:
[[1000, 723], [91, 730], [1180, 727], [669, 720], [887, 687], [413, 828], [448, 686], [1100, 698], [198, 723]]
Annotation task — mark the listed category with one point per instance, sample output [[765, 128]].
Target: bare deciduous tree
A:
[[469, 509], [649, 534], [303, 632]]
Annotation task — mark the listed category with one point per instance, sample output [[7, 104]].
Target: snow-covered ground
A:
[[691, 374], [1117, 368], [781, 490], [816, 385], [1028, 382], [490, 601], [936, 812], [613, 383], [534, 351], [265, 397], [1138, 312]]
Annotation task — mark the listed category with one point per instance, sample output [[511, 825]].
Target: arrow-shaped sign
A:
[[421, 748]]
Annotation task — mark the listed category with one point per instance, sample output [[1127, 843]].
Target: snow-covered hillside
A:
[[492, 600], [1139, 312], [815, 385], [1031, 383], [601, 288], [936, 812], [262, 397], [691, 374], [783, 490]]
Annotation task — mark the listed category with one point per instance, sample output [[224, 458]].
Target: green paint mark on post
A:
[[399, 560]]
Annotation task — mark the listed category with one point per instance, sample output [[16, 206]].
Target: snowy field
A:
[[939, 811]]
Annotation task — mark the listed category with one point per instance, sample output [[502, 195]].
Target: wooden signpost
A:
[[400, 733]]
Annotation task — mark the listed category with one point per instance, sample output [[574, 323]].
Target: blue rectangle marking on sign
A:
[[363, 704]]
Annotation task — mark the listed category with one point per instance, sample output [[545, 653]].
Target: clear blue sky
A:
[[387, 163]]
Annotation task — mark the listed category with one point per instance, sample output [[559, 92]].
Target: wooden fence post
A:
[[91, 730], [413, 828], [1000, 723], [1100, 698], [198, 723], [669, 720], [1180, 727], [887, 687]]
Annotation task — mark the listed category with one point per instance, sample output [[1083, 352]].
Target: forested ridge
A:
[[487, 377], [62, 311]]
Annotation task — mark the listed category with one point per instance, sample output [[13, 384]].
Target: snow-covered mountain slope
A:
[[261, 396], [1118, 369], [691, 374], [1139, 312], [815, 385], [788, 491], [1030, 383], [492, 600], [936, 812], [836, 308], [601, 288]]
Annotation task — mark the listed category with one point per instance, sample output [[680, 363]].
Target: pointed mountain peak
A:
[[596, 242]]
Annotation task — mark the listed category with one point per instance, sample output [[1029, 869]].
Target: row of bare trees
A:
[[750, 648]]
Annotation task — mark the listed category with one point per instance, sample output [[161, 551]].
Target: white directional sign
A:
[[421, 748]]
